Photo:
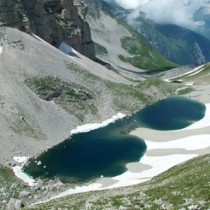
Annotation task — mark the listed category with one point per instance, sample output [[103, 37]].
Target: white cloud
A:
[[130, 4], [179, 12]]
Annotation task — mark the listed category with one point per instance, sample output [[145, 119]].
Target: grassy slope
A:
[[9, 186], [143, 55], [100, 50], [185, 186]]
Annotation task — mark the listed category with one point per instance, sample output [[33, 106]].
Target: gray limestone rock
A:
[[53, 20], [14, 204]]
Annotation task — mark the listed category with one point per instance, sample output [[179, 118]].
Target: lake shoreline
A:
[[145, 169], [20, 162], [162, 145]]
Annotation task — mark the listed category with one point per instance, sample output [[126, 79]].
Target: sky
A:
[[179, 12]]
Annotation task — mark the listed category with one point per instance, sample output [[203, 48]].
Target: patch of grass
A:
[[184, 90], [74, 98], [10, 186], [188, 181], [100, 50], [82, 74], [143, 56], [128, 97], [6, 175], [50, 87]]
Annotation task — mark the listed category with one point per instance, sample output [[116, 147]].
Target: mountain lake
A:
[[106, 151]]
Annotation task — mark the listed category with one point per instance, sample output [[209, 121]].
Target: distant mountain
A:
[[178, 44]]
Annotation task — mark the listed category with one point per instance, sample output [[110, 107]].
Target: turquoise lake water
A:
[[106, 151]]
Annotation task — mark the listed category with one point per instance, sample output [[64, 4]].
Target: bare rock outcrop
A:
[[53, 20]]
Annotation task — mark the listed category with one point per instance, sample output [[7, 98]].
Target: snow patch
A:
[[188, 143], [189, 73], [1, 50], [158, 165], [190, 83], [192, 71], [197, 72], [39, 38], [65, 48], [89, 127], [18, 171]]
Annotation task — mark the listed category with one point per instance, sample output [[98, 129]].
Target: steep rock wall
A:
[[53, 20]]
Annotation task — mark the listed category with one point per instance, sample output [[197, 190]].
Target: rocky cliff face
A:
[[53, 20]]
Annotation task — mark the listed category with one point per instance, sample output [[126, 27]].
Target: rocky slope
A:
[[27, 62], [53, 20], [45, 93]]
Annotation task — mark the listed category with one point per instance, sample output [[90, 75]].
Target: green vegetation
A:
[[184, 90], [6, 175], [178, 44], [81, 73], [85, 97], [9, 186], [143, 56], [185, 186], [125, 98], [72, 97], [100, 50]]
